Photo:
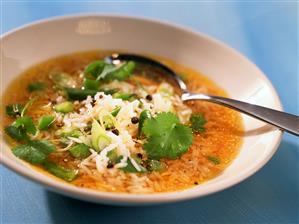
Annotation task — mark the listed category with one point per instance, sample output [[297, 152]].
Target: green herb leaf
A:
[[18, 134], [80, 151], [14, 109], [95, 68], [166, 137], [61, 172], [35, 152], [214, 159], [197, 122], [26, 123], [36, 86], [45, 122], [125, 71]]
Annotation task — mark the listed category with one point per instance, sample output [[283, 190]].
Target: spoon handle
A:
[[282, 120]]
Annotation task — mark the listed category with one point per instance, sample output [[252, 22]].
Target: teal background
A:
[[267, 33]]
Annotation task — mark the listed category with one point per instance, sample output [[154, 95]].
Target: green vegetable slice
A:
[[115, 111], [214, 159], [154, 165], [166, 137], [99, 139], [144, 115], [197, 122], [125, 96], [79, 94], [14, 109], [45, 122], [61, 172], [26, 123], [64, 107], [36, 86], [80, 151], [91, 84], [130, 168]]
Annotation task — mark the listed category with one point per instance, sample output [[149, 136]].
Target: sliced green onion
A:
[[36, 86], [64, 107], [144, 115], [91, 84], [115, 111], [45, 122], [61, 172]]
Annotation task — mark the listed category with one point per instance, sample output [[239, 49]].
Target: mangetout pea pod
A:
[[144, 115]]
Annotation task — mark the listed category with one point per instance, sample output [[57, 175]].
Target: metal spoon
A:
[[281, 120]]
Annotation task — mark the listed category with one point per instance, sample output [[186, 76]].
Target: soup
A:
[[118, 128]]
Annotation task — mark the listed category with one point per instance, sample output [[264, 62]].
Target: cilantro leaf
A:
[[35, 152], [166, 137], [26, 123], [197, 122], [18, 134], [14, 109]]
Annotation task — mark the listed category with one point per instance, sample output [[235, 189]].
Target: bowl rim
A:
[[154, 198]]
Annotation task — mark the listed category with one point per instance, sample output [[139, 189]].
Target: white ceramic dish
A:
[[26, 46]]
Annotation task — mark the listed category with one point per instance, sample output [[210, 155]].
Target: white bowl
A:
[[26, 46]]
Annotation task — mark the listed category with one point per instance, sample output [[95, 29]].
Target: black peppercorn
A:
[[134, 120], [110, 165], [139, 155], [149, 97], [115, 131]]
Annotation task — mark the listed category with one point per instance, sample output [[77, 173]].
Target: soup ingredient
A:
[[25, 123], [91, 84], [101, 70], [154, 165], [61, 172], [36, 86], [80, 151], [64, 107], [14, 110], [63, 80], [99, 138], [214, 159], [18, 134], [45, 122], [134, 168], [115, 111], [144, 115], [166, 137], [197, 122], [34, 151]]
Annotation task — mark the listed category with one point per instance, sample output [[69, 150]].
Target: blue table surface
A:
[[267, 33]]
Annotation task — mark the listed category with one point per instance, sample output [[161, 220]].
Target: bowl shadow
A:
[[271, 195]]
